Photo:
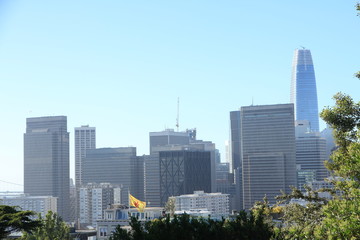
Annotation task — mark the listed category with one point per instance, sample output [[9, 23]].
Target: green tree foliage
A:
[[120, 233], [52, 228], [344, 209], [339, 217], [244, 227], [12, 220], [300, 221]]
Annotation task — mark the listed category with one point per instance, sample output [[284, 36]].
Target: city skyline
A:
[[123, 70]]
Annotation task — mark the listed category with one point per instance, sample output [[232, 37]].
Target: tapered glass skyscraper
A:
[[303, 88]]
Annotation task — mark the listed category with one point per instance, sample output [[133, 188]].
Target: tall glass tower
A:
[[46, 160], [303, 89]]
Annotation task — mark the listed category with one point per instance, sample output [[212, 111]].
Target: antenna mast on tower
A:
[[177, 118]]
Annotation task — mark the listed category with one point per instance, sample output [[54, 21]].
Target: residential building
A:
[[119, 215], [46, 160], [94, 199], [38, 204], [216, 203]]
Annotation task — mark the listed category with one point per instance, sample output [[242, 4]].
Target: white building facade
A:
[[217, 204], [94, 199], [38, 204]]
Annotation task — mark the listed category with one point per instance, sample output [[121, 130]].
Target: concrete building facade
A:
[[216, 203], [94, 199], [310, 155], [268, 151], [46, 160], [85, 139], [38, 204], [117, 166]]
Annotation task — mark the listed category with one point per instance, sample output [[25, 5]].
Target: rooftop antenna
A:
[[302, 47], [177, 118], [252, 101]]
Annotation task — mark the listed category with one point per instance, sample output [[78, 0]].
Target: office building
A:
[[327, 133], [310, 155], [152, 180], [117, 166], [183, 172], [85, 138], [235, 168], [303, 88], [46, 160], [216, 203], [268, 151], [73, 202], [169, 140], [235, 133], [169, 137]]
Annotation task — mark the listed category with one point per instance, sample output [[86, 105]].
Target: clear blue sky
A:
[[121, 65]]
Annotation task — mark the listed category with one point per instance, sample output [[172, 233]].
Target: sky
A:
[[120, 66]]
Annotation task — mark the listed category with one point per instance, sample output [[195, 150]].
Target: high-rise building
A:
[[46, 160], [303, 88], [183, 172], [169, 140], [94, 199], [169, 137], [268, 151], [235, 132], [310, 155], [85, 138], [117, 166], [236, 199]]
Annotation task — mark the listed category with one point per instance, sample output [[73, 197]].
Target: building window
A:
[[103, 232]]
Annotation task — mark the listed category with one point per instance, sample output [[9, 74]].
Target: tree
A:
[[344, 209], [12, 220], [170, 206], [52, 228], [246, 226], [300, 221], [120, 234]]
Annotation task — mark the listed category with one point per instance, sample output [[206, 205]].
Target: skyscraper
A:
[[268, 151], [46, 160], [303, 88], [117, 166], [85, 138], [183, 172], [310, 155], [168, 137]]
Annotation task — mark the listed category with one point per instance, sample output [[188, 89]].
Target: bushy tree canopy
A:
[[13, 220]]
